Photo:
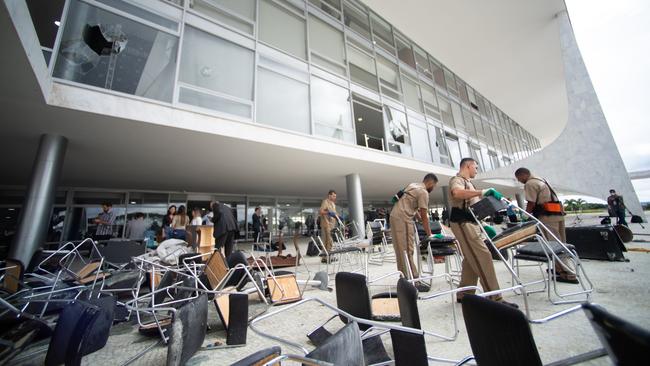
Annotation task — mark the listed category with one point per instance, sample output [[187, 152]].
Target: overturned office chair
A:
[[82, 328], [353, 297], [407, 296], [342, 348], [625, 342], [501, 335], [233, 312], [187, 331]]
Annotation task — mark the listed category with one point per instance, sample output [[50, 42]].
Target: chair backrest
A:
[[72, 326], [407, 297], [216, 269], [498, 334], [626, 343], [352, 296], [342, 348], [233, 312], [409, 348], [160, 296], [187, 331], [121, 251], [235, 258], [13, 275]]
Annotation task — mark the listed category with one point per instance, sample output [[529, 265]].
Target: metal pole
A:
[[355, 202], [35, 215]]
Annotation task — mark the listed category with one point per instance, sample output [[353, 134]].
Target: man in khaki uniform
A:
[[539, 192], [477, 260], [328, 218], [414, 201]]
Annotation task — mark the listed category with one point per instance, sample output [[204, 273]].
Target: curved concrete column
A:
[[35, 214], [584, 158], [355, 203]]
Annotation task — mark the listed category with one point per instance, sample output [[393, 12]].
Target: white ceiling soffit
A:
[[508, 50]]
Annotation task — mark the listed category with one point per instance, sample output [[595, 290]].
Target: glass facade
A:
[[291, 64]]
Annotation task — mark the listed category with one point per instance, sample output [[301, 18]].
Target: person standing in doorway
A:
[[225, 227], [105, 221]]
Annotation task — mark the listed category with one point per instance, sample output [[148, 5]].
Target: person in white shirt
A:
[[196, 217]]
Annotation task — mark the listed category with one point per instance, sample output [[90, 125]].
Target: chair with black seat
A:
[[353, 297], [546, 253], [626, 343], [501, 335], [409, 348], [80, 329], [407, 297], [343, 348]]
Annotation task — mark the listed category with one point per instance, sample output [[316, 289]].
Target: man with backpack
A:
[[410, 202], [544, 204]]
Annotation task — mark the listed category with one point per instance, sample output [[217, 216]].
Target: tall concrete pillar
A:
[[445, 197], [520, 200], [35, 215], [355, 202]]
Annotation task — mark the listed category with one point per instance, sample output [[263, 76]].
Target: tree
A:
[[574, 205]]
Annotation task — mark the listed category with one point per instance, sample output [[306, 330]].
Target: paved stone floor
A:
[[621, 287]]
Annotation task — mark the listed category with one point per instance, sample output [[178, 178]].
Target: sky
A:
[[614, 39]]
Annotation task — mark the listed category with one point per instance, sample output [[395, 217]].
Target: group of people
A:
[[477, 263]]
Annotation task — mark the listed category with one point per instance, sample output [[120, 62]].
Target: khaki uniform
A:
[[402, 227], [327, 223], [537, 191], [477, 260]]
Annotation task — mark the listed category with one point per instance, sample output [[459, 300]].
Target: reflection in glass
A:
[[420, 140], [383, 35], [222, 11], [101, 49], [213, 63], [404, 52], [388, 78], [331, 110], [445, 110], [362, 68], [282, 102], [398, 133], [422, 62], [356, 19], [411, 93], [454, 149], [328, 43], [282, 28]]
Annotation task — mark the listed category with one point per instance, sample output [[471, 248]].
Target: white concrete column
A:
[[35, 214], [355, 203]]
